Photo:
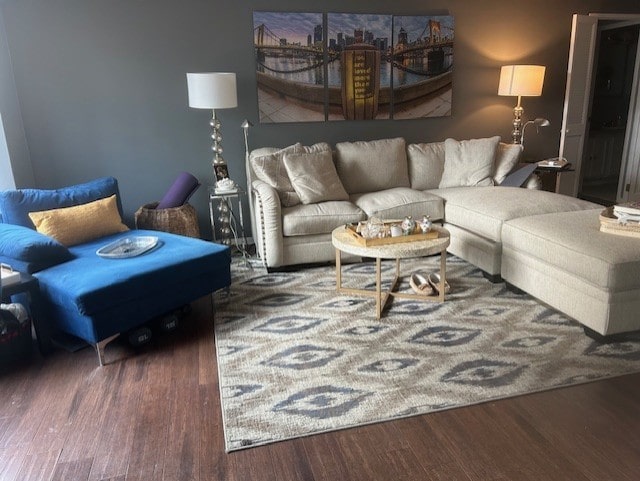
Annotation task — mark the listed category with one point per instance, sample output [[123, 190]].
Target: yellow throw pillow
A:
[[80, 223]]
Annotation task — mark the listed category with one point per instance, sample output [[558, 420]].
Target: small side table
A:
[[227, 221], [544, 171], [29, 285]]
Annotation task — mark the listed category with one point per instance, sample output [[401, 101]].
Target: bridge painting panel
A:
[[352, 66]]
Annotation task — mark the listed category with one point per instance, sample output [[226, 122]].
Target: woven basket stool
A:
[[181, 220]]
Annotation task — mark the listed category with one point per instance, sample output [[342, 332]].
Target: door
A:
[[576, 112], [575, 119], [629, 183]]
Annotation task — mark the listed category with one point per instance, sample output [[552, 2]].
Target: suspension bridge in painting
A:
[[268, 43], [431, 44]]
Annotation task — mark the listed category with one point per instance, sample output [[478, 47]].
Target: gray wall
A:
[[13, 143], [102, 90]]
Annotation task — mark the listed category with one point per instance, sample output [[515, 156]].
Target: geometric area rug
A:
[[297, 359]]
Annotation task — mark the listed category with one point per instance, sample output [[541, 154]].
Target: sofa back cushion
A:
[[372, 166], [15, 205], [426, 164], [469, 162], [507, 157]]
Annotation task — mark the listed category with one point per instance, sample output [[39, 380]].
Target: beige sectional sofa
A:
[[387, 179], [295, 204]]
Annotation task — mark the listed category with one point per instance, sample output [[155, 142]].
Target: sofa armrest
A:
[[267, 213], [28, 251]]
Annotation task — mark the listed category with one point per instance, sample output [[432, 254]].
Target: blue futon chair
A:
[[96, 298]]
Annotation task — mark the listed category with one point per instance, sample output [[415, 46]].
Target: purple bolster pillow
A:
[[180, 191]]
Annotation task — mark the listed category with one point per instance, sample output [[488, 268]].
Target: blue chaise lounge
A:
[[84, 294]]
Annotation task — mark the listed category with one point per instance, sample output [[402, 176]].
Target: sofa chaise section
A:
[[95, 298], [84, 294], [475, 217], [565, 261]]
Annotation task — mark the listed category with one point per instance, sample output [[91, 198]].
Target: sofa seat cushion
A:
[[483, 210], [400, 202], [572, 242], [93, 297], [320, 218]]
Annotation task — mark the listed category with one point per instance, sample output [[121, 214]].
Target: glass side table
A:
[[227, 221]]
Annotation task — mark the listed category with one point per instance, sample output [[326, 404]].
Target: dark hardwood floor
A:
[[154, 414]]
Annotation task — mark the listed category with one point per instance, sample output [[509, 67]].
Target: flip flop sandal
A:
[[420, 284], [434, 280]]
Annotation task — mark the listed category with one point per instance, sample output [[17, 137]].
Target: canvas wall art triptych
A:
[[314, 67]]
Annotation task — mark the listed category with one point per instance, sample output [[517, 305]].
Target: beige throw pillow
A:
[[469, 162], [319, 147], [314, 177], [426, 164], [507, 158], [372, 166], [270, 169], [80, 223]]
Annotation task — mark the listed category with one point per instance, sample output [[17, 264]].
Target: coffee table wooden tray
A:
[[609, 224], [379, 241]]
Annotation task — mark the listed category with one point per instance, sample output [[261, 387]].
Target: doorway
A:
[[615, 59], [598, 147]]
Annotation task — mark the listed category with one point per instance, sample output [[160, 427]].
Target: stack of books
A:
[[8, 276], [627, 212]]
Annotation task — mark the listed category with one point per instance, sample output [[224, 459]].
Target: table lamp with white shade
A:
[[214, 90], [520, 81]]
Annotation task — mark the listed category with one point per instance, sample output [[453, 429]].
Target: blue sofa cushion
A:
[[15, 205], [29, 251], [93, 297]]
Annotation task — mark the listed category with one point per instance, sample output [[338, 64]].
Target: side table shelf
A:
[[227, 220], [556, 172]]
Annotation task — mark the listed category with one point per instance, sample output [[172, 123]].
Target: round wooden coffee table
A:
[[344, 241]]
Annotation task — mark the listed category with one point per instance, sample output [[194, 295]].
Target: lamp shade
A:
[[521, 80], [212, 90]]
